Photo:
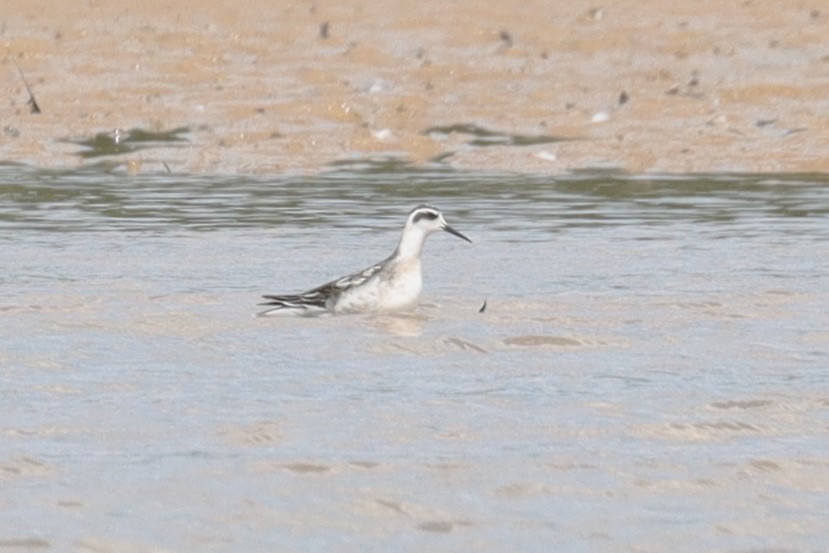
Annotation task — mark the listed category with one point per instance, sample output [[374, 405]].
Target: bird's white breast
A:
[[403, 290]]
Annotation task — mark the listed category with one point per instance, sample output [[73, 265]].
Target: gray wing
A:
[[319, 297]]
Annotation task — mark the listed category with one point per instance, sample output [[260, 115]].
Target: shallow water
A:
[[650, 371]]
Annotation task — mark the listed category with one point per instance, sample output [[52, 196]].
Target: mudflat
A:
[[532, 87]]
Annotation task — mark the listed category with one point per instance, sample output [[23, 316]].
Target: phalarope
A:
[[393, 284]]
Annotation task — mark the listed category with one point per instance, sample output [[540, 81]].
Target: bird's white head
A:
[[429, 219], [423, 221]]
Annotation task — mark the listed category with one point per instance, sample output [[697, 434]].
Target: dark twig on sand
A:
[[32, 102]]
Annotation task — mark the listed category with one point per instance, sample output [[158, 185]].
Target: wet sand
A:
[[294, 87]]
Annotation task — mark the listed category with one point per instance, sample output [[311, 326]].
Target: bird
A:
[[392, 285]]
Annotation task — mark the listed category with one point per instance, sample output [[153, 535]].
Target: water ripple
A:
[[90, 200]]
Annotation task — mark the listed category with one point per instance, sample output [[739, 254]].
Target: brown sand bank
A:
[[532, 86]]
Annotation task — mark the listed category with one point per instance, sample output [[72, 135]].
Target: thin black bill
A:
[[450, 230]]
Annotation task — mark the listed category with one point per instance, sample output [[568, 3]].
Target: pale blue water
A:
[[651, 372]]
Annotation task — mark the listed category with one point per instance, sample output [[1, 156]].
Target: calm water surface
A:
[[651, 372]]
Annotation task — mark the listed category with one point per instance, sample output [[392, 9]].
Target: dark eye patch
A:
[[431, 215]]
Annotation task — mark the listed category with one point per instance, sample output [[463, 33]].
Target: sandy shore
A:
[[553, 87]]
